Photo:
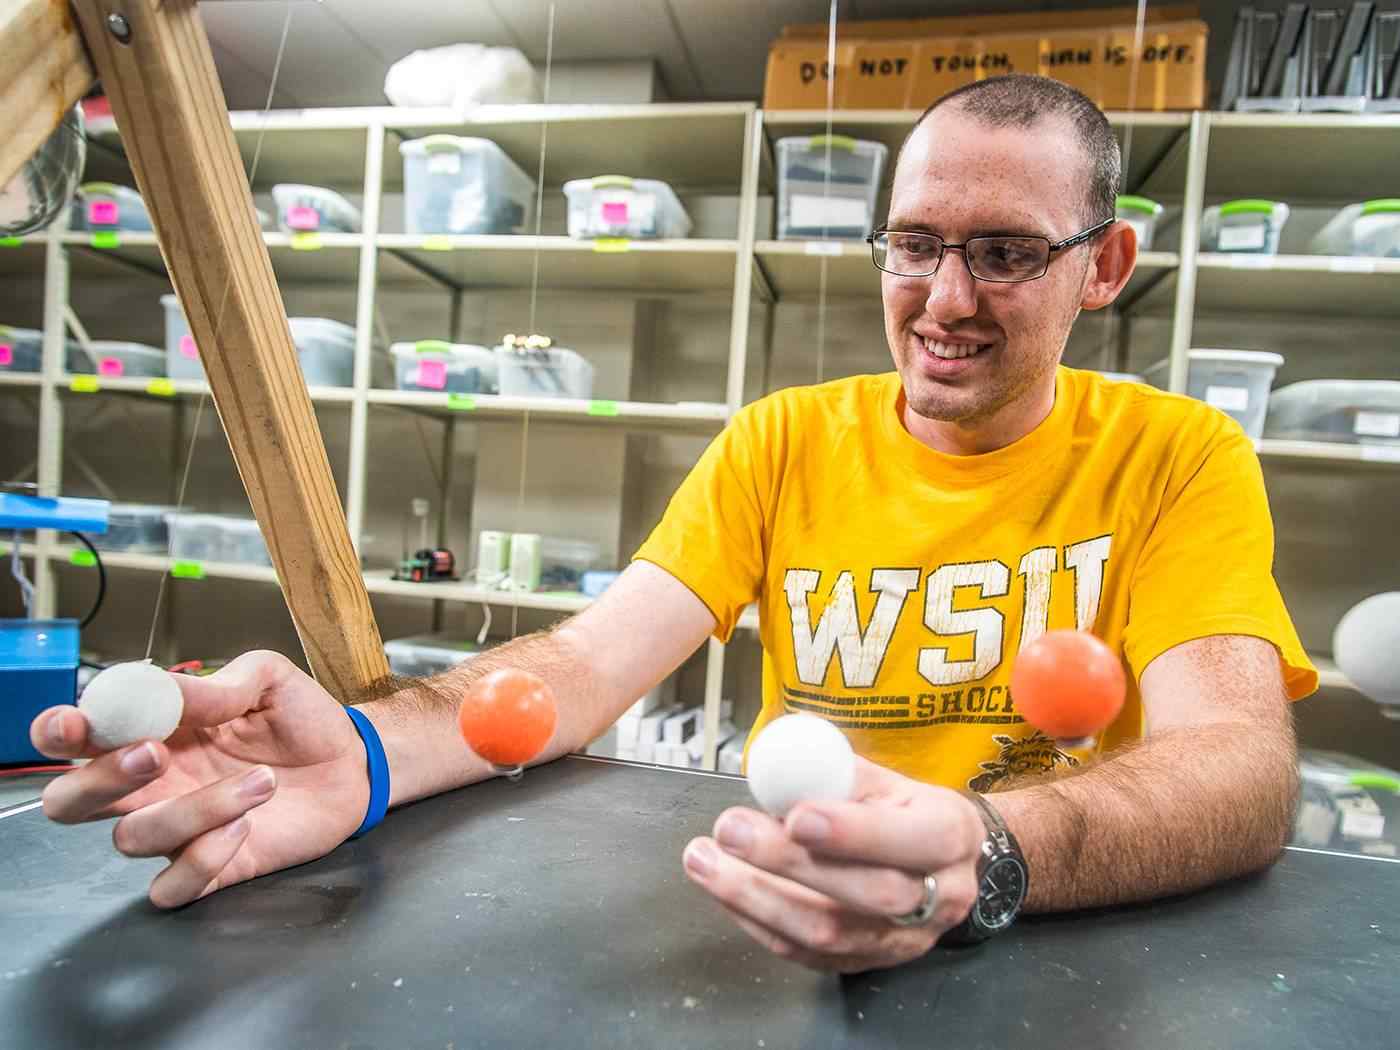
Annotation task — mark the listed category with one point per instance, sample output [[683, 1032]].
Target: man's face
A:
[[959, 179]]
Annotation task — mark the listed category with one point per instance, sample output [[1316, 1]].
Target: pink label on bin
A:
[[188, 349], [615, 212], [7, 354], [303, 218], [102, 213], [432, 375], [111, 366]]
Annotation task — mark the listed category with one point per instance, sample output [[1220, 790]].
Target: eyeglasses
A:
[[1000, 260]]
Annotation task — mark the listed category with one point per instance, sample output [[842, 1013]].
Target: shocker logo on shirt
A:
[[1035, 755]]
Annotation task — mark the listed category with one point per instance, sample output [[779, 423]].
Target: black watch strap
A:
[[1000, 841]]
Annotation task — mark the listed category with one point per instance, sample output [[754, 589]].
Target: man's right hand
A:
[[264, 772]]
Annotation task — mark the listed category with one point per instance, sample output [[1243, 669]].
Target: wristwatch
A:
[[1002, 881]]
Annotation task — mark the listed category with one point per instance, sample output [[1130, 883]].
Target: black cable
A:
[[101, 579]]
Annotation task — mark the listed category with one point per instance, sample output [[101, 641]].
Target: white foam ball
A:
[[1366, 646], [131, 702], [800, 758]]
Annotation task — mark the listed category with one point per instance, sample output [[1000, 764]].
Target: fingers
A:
[[233, 690], [167, 826], [934, 829], [61, 732], [85, 793], [197, 869]]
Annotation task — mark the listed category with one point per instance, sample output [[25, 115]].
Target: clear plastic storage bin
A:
[[242, 542], [181, 354], [117, 359], [136, 527], [428, 654], [563, 562], [21, 349], [827, 186], [1369, 228], [105, 206], [1141, 214], [326, 349], [1358, 411], [1235, 381], [548, 372], [307, 209], [218, 538], [618, 206], [446, 368], [1243, 226], [463, 185]]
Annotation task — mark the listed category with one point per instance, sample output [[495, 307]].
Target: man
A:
[[906, 534]]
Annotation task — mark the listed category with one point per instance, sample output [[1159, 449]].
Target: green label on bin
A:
[[106, 239], [306, 242], [187, 570], [844, 142], [461, 402], [432, 346], [1381, 205], [160, 388], [85, 385], [83, 559], [437, 244], [11, 242], [1367, 779], [603, 408]]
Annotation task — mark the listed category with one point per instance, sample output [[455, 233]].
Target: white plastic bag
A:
[[461, 76]]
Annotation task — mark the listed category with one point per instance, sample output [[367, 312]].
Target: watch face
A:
[[1003, 889]]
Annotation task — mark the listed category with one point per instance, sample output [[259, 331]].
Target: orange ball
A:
[[1068, 684], [508, 717]]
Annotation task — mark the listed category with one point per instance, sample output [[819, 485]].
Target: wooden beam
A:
[[43, 73], [169, 107]]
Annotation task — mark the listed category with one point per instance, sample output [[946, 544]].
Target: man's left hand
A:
[[822, 886]]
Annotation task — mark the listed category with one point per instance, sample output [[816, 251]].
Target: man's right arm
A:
[[597, 663]]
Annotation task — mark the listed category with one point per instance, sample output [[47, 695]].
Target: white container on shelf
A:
[[1369, 228], [1243, 226], [563, 562], [106, 206], [618, 206], [455, 185], [1235, 381], [827, 186], [242, 542], [314, 209], [21, 349], [428, 654], [181, 354], [1141, 214], [548, 372], [196, 537], [326, 350], [1355, 411], [438, 366], [136, 527], [115, 359]]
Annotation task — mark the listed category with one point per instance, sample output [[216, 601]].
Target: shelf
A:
[[689, 145], [794, 269], [163, 389], [29, 379], [1335, 452], [1153, 133], [1307, 284], [508, 262], [325, 258], [694, 417]]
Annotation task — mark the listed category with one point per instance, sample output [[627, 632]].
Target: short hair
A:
[[1023, 99]]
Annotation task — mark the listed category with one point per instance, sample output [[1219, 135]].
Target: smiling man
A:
[[906, 535]]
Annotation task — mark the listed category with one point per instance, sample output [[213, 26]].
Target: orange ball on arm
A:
[[1069, 685], [507, 717]]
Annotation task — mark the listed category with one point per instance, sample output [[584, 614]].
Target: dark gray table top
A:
[[553, 912]]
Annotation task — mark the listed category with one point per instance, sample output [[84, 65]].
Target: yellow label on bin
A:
[[187, 570], [306, 242], [160, 388], [437, 244], [461, 402], [603, 408], [106, 239], [85, 385], [83, 559], [612, 244]]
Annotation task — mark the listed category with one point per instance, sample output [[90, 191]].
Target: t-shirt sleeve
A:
[[1207, 567], [712, 537]]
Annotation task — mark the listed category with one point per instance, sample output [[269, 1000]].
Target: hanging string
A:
[[826, 188]]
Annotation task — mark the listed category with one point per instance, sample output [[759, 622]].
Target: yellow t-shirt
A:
[[896, 583]]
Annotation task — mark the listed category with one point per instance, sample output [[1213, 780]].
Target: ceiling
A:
[[338, 51]]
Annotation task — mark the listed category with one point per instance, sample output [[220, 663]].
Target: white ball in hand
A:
[[131, 702], [800, 758]]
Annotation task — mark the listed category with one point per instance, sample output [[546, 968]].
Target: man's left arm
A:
[[1209, 792]]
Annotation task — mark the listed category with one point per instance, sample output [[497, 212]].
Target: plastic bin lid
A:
[[322, 327], [170, 299], [1142, 204], [1379, 205], [431, 641], [117, 346], [1334, 390], [109, 189], [20, 333], [1249, 205], [1245, 357], [809, 143], [437, 346], [138, 508], [444, 143]]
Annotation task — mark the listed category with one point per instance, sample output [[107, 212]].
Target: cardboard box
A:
[[910, 74]]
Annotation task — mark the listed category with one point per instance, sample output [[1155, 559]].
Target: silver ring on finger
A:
[[923, 912]]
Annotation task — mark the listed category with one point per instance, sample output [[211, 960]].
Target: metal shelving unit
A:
[[709, 148]]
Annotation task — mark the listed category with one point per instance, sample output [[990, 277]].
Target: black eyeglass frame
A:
[[1052, 247]]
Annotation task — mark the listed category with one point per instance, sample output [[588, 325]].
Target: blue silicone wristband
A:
[[378, 766]]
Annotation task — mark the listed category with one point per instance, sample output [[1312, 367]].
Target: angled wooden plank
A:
[[168, 105], [43, 73]]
